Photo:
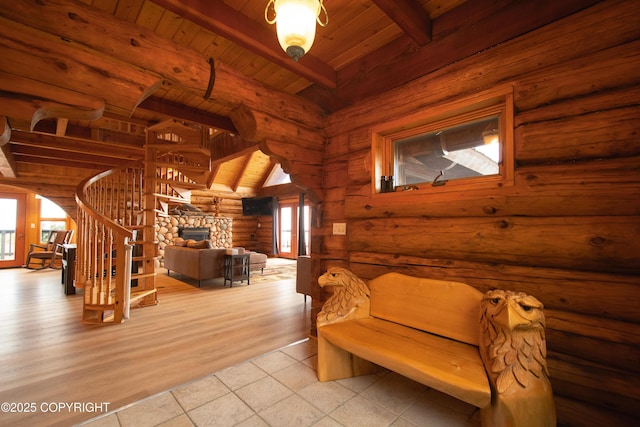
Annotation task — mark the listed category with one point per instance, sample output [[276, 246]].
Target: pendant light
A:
[[296, 23]]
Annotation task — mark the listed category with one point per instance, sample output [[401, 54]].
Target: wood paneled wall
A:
[[567, 231]]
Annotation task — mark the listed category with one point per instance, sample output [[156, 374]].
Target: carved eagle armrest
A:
[[349, 300], [513, 350]]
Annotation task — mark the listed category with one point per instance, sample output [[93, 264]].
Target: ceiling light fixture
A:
[[296, 23]]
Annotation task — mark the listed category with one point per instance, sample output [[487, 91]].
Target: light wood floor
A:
[[48, 355]]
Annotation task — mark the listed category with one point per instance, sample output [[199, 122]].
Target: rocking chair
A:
[[48, 254]]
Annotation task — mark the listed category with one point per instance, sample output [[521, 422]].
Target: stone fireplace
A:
[[220, 230]]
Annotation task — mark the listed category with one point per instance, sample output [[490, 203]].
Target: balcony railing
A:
[[7, 244]]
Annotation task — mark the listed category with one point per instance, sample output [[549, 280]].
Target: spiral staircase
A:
[[117, 209]]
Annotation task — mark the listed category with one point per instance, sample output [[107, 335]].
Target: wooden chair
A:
[[48, 254]]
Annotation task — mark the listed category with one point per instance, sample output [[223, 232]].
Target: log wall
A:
[[567, 231]]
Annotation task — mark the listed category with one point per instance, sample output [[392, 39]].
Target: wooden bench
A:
[[443, 334]]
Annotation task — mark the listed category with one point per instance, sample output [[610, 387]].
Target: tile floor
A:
[[281, 389]]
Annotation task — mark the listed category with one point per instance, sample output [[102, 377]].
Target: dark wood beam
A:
[[182, 112], [410, 16], [216, 16]]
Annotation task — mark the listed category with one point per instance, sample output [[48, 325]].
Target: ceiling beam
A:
[[5, 130], [22, 152], [93, 134], [485, 27], [410, 16], [33, 100], [121, 152], [183, 112], [7, 162], [212, 175], [68, 73], [81, 31], [61, 126], [217, 17], [246, 161], [41, 162]]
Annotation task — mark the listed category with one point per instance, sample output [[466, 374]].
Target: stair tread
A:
[[143, 293], [142, 275]]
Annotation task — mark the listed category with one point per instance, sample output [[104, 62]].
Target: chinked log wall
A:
[[566, 232]]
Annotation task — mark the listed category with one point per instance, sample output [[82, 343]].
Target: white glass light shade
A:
[[296, 25]]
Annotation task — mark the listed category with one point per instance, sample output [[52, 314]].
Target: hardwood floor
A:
[[47, 355]]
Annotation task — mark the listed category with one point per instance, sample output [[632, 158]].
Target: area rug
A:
[[276, 269]]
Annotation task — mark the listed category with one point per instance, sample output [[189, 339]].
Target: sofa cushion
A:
[[201, 244], [179, 241], [257, 261]]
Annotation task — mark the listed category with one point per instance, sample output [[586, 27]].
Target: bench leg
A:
[[335, 363], [525, 407]]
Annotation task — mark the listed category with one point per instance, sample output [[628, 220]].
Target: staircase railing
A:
[[117, 209], [109, 206]]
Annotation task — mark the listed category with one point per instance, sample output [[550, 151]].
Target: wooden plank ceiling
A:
[[69, 110]]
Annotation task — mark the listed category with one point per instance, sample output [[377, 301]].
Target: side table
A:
[[236, 268]]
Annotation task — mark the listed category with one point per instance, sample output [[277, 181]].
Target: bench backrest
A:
[[449, 309]]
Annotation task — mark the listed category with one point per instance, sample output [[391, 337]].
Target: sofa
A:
[[200, 261]]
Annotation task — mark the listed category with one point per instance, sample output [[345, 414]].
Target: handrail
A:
[[103, 257], [115, 210], [85, 205]]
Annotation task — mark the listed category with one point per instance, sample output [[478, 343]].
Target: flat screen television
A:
[[257, 206]]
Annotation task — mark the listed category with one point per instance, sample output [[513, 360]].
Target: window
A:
[[52, 218], [461, 145]]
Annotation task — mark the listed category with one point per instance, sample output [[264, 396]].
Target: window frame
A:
[[464, 110]]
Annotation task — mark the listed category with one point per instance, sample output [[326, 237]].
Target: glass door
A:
[[289, 229], [12, 227], [288, 232]]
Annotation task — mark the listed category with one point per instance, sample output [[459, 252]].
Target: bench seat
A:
[[487, 350], [446, 365]]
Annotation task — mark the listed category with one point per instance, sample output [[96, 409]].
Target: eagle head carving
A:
[[513, 345], [513, 350], [350, 298]]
